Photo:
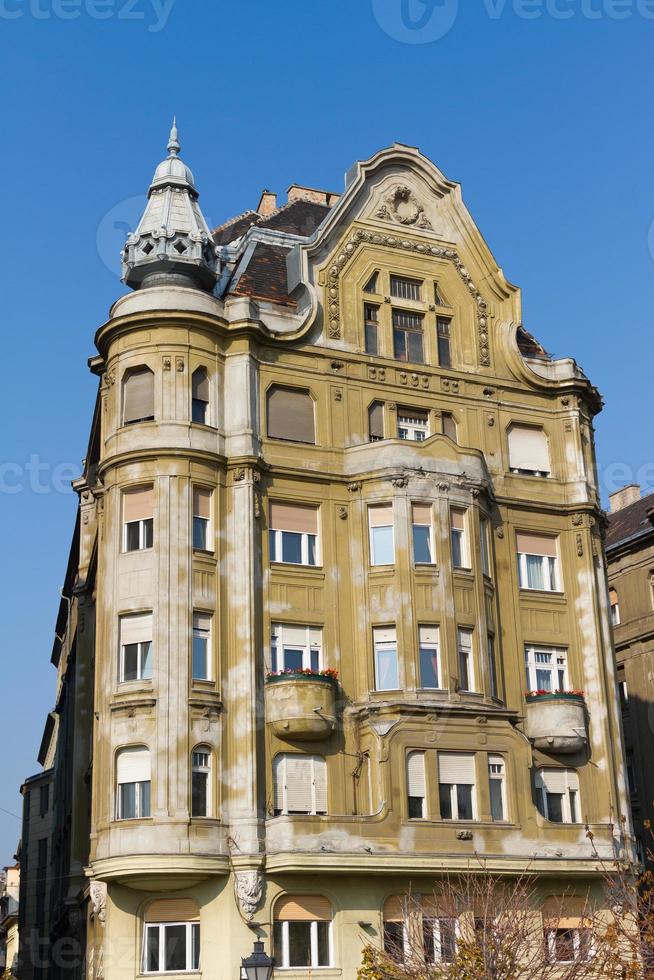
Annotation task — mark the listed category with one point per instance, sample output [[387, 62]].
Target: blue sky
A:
[[541, 108]]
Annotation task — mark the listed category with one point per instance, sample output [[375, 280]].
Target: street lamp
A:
[[258, 965]]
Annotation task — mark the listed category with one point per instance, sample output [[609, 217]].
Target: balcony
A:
[[301, 705], [556, 723]]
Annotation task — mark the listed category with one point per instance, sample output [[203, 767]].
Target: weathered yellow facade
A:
[[468, 620]]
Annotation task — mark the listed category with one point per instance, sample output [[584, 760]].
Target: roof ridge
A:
[[232, 221]]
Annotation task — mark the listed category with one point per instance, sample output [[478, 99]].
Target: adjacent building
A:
[[336, 617], [630, 555], [9, 892]]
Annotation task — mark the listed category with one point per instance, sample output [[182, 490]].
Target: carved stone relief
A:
[[403, 207], [248, 889]]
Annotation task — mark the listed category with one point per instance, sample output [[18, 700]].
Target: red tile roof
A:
[[265, 276]]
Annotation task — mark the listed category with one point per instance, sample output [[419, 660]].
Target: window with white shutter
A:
[[387, 675], [300, 784], [529, 452], [133, 780], [557, 795], [293, 534], [497, 787], [416, 787], [295, 648], [430, 667], [456, 783], [538, 563], [459, 538], [138, 518], [382, 547], [135, 647]]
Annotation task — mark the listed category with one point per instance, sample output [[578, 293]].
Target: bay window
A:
[[416, 786], [466, 659], [497, 787], [458, 535], [201, 650], [202, 519]]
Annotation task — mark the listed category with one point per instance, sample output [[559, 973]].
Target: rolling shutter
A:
[[421, 514], [133, 765], [138, 395], [381, 516], [376, 420], [536, 544], [138, 505], [290, 415], [458, 518], [293, 517], [201, 502], [557, 780], [172, 910], [415, 774], [303, 908], [395, 909], [449, 426], [429, 635], [565, 912], [136, 629], [528, 449], [456, 768], [320, 783]]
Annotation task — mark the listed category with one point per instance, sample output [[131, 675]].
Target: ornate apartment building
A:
[[630, 556], [338, 619]]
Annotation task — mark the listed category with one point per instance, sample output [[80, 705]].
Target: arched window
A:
[[201, 781], [529, 452], [133, 780], [171, 936], [138, 395], [302, 931], [615, 607], [200, 396], [291, 415]]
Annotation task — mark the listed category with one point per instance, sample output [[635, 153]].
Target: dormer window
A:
[[403, 288]]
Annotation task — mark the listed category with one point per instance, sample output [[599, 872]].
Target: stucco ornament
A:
[[248, 888], [402, 206], [99, 900]]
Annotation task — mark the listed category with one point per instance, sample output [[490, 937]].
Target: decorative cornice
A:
[[361, 237]]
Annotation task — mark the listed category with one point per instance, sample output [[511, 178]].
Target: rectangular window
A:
[[439, 935], [623, 690], [403, 288], [42, 854], [387, 677], [44, 800], [382, 547], [497, 787], [138, 520], [408, 336], [529, 452], [200, 396], [460, 556], [557, 795], [569, 945], [430, 670], [466, 660], [201, 650], [494, 687], [135, 647], [423, 545], [412, 424], [295, 648], [376, 422], [456, 779], [546, 669], [300, 784], [537, 562], [293, 534], [484, 544], [416, 788], [444, 351], [171, 947], [371, 327], [302, 944], [631, 774], [614, 603], [202, 519]]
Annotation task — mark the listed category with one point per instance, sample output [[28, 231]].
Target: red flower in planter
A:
[[540, 694], [306, 671]]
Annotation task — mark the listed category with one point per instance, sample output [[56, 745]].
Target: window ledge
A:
[[286, 566], [542, 594], [202, 553], [308, 971]]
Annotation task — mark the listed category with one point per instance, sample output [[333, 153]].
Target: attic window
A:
[[371, 285], [439, 298], [402, 288], [180, 247]]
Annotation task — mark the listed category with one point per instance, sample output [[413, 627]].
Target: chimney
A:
[[297, 192], [622, 498], [268, 203]]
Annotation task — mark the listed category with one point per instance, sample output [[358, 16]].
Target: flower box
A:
[[556, 721], [301, 705]]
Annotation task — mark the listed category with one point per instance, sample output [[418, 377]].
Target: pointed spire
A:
[[173, 140], [172, 242]]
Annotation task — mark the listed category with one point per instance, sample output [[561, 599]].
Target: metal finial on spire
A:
[[173, 141]]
